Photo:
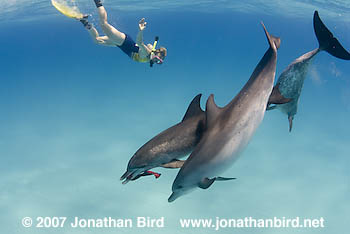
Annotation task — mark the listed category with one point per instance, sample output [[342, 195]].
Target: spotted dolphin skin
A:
[[290, 82], [228, 129], [165, 149]]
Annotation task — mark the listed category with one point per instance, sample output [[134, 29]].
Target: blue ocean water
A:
[[73, 113]]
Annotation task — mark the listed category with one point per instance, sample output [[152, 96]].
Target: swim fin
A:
[[67, 10], [327, 41]]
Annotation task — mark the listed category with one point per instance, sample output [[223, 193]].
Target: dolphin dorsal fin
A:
[[194, 108], [212, 111], [273, 41]]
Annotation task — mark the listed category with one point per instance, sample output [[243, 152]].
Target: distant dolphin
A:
[[166, 148], [290, 83], [228, 129]]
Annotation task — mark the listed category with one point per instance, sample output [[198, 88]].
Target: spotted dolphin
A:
[[290, 82], [228, 129], [165, 149]]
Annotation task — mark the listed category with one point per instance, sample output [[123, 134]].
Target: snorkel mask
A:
[[155, 59]]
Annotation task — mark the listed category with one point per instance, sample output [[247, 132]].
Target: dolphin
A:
[[165, 149], [290, 83], [228, 129]]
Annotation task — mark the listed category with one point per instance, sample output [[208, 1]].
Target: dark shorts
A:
[[129, 46]]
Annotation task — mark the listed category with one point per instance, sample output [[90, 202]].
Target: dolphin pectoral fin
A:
[[276, 97], [271, 107], [211, 110], [224, 178], [206, 183], [194, 108], [174, 164], [290, 119], [327, 41]]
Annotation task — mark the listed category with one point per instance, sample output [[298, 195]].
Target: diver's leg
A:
[[113, 34], [86, 23], [93, 32], [98, 3]]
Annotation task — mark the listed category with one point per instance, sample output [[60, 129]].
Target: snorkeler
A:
[[137, 51]]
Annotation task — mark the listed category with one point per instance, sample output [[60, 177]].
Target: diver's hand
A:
[[142, 24]]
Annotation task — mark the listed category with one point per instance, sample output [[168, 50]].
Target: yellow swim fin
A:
[[65, 9]]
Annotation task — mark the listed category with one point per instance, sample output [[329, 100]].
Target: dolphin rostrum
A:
[[228, 129], [290, 83], [165, 149]]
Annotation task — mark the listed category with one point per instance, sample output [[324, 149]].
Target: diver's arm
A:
[[144, 49]]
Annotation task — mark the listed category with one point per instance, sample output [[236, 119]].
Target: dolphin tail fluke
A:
[[290, 120], [274, 42], [276, 97], [327, 41]]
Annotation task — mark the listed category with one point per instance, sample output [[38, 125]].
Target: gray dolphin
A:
[[290, 83], [228, 129], [167, 147]]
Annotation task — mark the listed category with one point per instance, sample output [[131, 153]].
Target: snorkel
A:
[[155, 58]]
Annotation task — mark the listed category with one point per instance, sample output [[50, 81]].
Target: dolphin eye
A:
[[180, 187]]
